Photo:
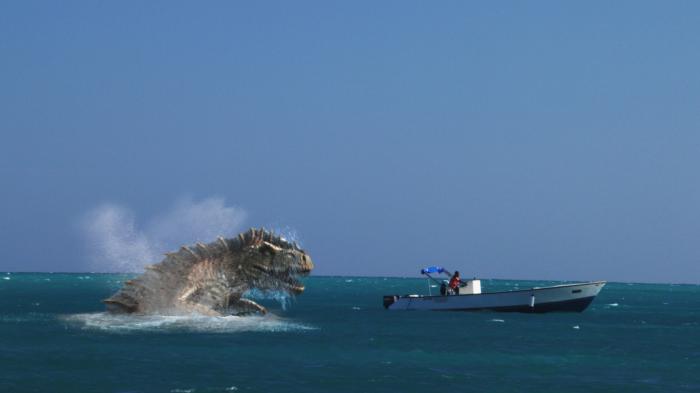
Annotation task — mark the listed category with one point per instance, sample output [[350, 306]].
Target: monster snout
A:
[[306, 265]]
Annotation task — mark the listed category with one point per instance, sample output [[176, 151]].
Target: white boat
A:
[[567, 297]]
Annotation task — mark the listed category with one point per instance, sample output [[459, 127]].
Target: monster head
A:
[[276, 266]]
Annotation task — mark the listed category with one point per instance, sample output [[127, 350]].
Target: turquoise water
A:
[[337, 337]]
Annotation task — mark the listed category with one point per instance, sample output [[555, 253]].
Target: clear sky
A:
[[554, 140]]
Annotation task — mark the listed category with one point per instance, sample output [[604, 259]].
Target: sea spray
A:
[[116, 242], [287, 233], [284, 299]]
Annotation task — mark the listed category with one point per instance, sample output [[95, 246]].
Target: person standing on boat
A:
[[454, 282]]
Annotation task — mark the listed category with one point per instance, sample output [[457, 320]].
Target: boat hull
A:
[[559, 298]]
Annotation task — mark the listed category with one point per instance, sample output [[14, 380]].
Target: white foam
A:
[[6, 278], [577, 327], [498, 320], [192, 323], [612, 304]]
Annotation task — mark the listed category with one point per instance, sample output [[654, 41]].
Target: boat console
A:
[[473, 287]]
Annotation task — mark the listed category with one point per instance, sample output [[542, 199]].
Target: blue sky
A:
[[505, 139]]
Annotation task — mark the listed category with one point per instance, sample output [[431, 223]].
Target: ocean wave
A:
[[189, 323], [25, 317]]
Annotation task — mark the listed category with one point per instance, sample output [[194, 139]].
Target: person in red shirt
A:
[[454, 282]]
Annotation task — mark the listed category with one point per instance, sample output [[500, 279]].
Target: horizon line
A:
[[380, 276]]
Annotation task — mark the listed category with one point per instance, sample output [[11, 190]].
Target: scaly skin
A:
[[211, 279]]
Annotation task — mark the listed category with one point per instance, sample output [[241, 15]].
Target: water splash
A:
[[119, 323], [287, 233], [116, 242], [283, 298]]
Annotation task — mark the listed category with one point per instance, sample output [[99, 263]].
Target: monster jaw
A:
[[282, 281], [285, 280], [280, 274]]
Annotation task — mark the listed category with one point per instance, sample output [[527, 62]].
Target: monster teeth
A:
[[294, 286], [300, 271]]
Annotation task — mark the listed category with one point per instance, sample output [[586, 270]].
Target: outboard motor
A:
[[389, 300]]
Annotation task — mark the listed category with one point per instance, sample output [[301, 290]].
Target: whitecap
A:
[[498, 320], [356, 308], [348, 280], [193, 323], [231, 388], [6, 278], [182, 391], [577, 327], [612, 304]]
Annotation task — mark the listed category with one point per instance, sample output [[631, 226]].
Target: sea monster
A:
[[212, 279]]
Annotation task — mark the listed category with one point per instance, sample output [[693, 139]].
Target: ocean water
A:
[[337, 337]]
